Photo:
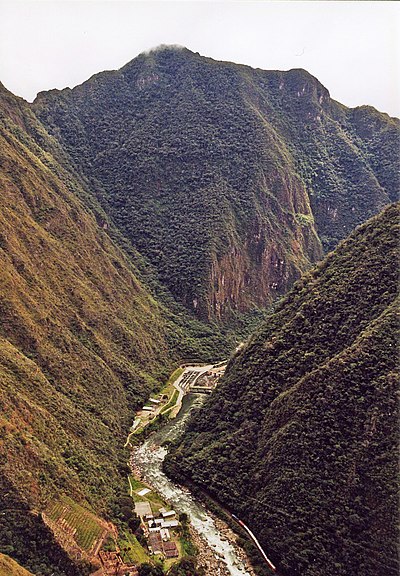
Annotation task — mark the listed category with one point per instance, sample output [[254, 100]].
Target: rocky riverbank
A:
[[232, 537], [208, 558]]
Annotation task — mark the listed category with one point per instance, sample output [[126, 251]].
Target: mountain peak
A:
[[174, 48]]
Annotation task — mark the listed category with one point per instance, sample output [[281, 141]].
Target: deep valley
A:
[[182, 211]]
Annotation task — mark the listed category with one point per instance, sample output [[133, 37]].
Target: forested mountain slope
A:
[[82, 342], [300, 438], [230, 180]]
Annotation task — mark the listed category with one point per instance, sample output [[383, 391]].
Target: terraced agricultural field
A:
[[83, 526]]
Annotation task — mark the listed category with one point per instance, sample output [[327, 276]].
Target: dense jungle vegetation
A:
[[300, 438]]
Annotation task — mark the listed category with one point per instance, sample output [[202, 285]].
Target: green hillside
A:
[[300, 438], [82, 341], [229, 179]]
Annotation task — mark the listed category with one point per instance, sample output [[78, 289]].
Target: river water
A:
[[149, 458]]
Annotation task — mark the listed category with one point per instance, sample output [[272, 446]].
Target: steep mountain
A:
[[82, 342], [229, 180], [300, 438]]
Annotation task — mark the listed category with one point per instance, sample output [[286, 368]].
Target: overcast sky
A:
[[353, 48]]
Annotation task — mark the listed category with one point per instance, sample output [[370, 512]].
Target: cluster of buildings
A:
[[159, 535]]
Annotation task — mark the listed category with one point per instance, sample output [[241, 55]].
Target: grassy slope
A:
[[10, 568], [217, 171], [300, 437], [82, 340], [74, 316]]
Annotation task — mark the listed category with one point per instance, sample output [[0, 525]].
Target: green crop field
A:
[[174, 376], [85, 525]]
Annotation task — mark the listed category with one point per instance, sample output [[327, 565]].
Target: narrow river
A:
[[149, 458]]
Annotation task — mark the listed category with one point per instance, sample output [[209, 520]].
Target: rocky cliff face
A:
[[228, 179], [255, 270]]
